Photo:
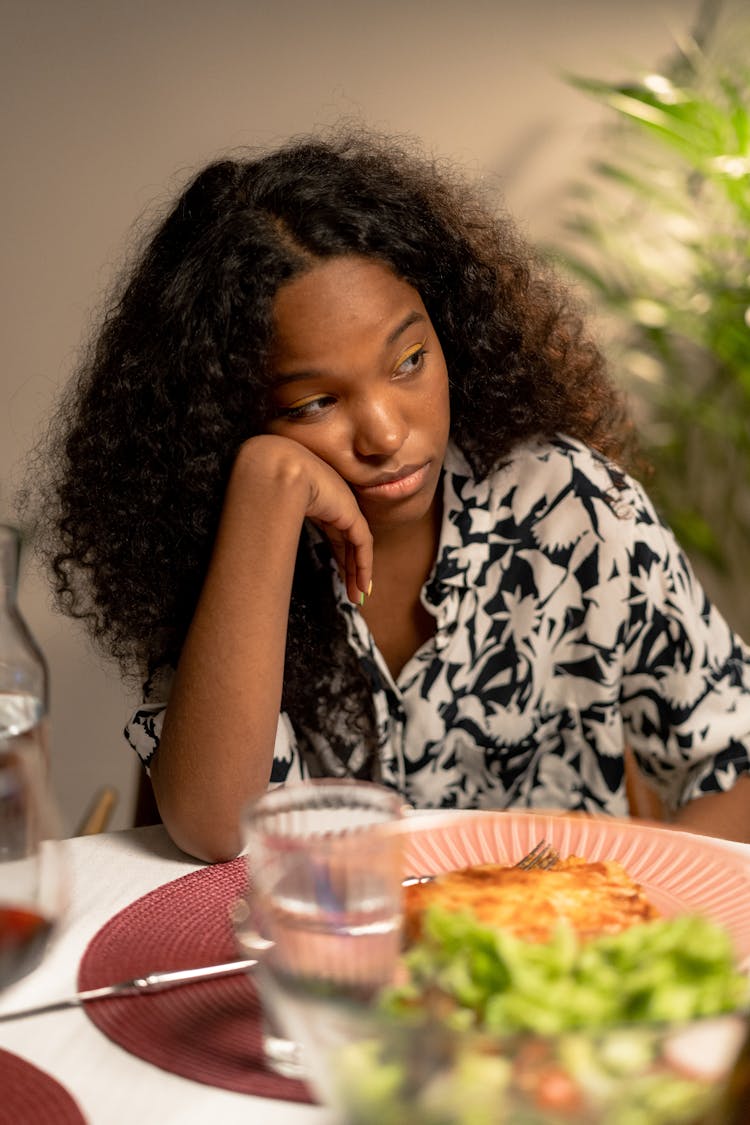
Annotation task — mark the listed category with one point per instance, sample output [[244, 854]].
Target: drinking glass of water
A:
[[324, 900]]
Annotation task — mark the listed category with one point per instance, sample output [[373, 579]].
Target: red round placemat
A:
[[210, 1030], [30, 1094]]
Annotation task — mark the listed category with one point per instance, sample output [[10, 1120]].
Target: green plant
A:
[[658, 232]]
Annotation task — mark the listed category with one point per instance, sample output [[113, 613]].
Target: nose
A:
[[380, 427]]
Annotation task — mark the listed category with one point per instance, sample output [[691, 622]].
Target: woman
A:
[[339, 478]]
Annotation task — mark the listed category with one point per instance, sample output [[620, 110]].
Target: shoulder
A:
[[565, 475], [566, 463], [551, 492]]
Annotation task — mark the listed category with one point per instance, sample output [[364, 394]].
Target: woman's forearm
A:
[[726, 815], [219, 731], [217, 742]]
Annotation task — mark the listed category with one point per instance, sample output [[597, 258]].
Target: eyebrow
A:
[[411, 318], [414, 317]]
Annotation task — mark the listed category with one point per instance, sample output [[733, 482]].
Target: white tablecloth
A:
[[111, 1086]]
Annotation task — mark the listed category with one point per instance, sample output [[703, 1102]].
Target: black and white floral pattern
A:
[[568, 623]]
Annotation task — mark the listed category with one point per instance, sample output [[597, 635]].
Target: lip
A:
[[397, 485]]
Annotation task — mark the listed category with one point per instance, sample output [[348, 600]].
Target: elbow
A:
[[209, 839], [206, 844], [203, 833], [201, 808], [210, 854]]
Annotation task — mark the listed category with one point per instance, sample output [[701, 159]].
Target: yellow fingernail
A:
[[369, 589]]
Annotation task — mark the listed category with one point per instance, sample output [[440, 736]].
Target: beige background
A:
[[108, 106]]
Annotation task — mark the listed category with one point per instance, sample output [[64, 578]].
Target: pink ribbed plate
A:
[[680, 872]]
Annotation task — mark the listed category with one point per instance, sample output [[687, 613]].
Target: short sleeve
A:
[[143, 732], [287, 761], [685, 694], [143, 729]]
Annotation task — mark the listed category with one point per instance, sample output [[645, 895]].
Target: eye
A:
[[308, 408], [412, 360]]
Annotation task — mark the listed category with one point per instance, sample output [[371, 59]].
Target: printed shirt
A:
[[568, 623]]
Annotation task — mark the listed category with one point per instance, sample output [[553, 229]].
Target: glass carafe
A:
[[23, 671]]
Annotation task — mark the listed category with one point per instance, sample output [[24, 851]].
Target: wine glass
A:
[[32, 870], [32, 883]]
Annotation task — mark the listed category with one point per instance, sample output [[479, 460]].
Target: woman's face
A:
[[360, 380]]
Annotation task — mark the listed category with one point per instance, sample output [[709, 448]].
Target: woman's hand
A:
[[281, 463]]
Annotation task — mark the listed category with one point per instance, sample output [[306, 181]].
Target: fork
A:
[[542, 855]]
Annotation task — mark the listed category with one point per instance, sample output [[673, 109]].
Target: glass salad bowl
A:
[[387, 1073], [464, 1036]]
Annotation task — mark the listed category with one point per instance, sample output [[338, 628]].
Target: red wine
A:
[[23, 937]]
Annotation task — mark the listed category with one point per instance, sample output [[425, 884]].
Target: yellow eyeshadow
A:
[[302, 402], [410, 352]]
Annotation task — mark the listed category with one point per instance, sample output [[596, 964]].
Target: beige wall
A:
[[108, 105]]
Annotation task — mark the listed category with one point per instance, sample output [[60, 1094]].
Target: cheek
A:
[[438, 403]]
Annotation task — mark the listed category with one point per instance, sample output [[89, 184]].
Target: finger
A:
[[352, 589], [351, 540], [355, 576], [363, 570], [358, 558], [357, 569]]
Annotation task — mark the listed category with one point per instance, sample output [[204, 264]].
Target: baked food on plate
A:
[[593, 898]]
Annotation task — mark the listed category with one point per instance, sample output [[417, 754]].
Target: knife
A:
[[137, 986]]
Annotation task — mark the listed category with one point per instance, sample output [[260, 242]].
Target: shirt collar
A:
[[467, 521]]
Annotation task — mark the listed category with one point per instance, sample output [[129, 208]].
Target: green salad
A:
[[569, 1030], [668, 969]]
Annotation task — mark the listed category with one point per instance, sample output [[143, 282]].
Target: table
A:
[[112, 1087]]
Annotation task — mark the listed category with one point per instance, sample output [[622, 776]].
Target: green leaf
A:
[[660, 223]]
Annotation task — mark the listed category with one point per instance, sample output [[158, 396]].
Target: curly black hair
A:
[[177, 378]]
